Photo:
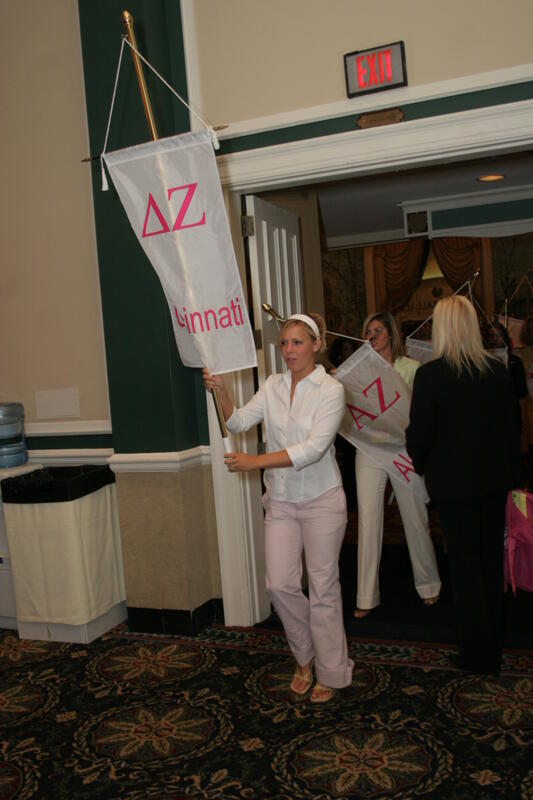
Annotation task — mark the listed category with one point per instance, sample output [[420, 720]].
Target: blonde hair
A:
[[397, 345], [317, 319], [457, 337]]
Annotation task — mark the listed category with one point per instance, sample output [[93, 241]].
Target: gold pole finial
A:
[[127, 19], [272, 311]]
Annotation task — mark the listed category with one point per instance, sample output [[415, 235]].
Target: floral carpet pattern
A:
[[148, 717]]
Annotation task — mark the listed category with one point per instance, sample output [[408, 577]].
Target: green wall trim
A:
[[482, 214], [154, 399], [86, 441], [415, 110]]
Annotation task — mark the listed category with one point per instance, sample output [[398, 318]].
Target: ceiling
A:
[[367, 210]]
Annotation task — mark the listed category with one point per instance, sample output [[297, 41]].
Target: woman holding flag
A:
[[382, 333], [304, 503]]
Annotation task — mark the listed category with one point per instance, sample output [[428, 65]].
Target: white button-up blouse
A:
[[306, 430]]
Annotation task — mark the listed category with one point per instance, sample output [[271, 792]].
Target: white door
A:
[[276, 278], [276, 275]]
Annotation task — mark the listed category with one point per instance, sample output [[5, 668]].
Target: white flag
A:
[[419, 349], [171, 192], [377, 414]]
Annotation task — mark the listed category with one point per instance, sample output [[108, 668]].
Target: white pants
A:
[[371, 481], [314, 627]]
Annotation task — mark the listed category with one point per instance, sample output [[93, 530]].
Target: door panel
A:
[[276, 275]]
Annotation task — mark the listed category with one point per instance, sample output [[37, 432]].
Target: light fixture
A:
[[491, 178]]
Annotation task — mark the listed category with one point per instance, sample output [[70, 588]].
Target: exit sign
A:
[[375, 70]]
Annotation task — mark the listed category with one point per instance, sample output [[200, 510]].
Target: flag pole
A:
[[127, 19]]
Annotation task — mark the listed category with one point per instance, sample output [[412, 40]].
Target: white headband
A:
[[308, 321]]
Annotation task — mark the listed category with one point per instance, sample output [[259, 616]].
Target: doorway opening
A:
[[340, 221]]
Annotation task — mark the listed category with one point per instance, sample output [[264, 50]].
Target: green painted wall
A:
[[157, 404], [487, 214], [75, 442]]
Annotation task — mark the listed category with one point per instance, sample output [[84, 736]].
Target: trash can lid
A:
[[56, 484]]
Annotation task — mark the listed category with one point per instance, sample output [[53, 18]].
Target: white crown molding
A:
[[474, 133], [70, 428], [161, 462], [376, 102], [59, 458]]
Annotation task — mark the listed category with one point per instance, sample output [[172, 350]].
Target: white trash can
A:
[[64, 542]]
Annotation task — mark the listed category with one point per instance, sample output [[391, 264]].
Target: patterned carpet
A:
[[135, 716]]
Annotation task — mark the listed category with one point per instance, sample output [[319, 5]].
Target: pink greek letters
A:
[[357, 412], [404, 466], [179, 224]]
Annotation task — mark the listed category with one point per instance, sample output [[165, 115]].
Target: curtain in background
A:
[[458, 258], [398, 270], [394, 270]]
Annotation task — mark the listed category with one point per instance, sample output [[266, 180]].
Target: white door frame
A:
[[464, 135], [436, 140]]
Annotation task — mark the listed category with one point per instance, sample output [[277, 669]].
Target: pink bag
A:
[[519, 541]]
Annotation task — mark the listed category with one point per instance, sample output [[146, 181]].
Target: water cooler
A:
[[13, 451], [13, 458]]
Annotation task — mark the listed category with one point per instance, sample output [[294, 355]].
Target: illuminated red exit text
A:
[[373, 69]]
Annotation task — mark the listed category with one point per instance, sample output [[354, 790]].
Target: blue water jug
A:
[[13, 451]]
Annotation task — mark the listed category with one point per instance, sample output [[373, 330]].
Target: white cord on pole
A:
[[105, 185], [460, 289], [125, 40], [214, 137]]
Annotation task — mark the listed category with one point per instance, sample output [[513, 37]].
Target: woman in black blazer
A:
[[464, 437]]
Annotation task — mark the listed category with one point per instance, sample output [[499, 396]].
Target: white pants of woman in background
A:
[[371, 480], [314, 626]]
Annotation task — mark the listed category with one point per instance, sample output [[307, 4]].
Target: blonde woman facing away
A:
[[464, 437], [381, 331], [304, 503]]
